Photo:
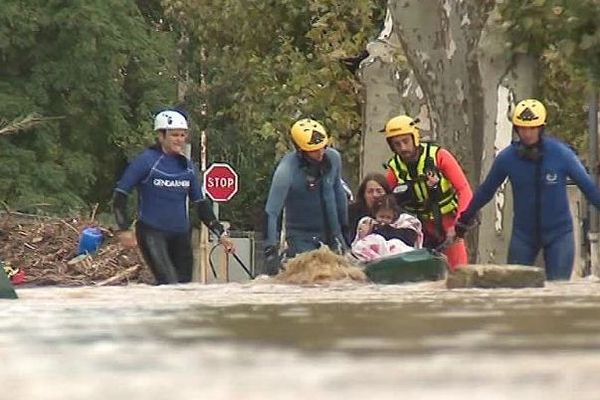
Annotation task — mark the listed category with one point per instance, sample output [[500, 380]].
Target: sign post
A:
[[203, 256]]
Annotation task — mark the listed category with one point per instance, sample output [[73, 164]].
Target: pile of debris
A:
[[46, 250], [320, 266]]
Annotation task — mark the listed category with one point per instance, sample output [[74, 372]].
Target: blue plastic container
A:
[[90, 240]]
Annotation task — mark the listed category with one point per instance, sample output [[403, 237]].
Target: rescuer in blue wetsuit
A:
[[537, 167], [307, 183], [165, 179]]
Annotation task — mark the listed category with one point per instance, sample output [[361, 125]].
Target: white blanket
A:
[[374, 246]]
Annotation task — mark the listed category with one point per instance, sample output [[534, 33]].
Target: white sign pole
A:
[[203, 252]]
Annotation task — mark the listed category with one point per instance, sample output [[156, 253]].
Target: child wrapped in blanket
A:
[[390, 232]]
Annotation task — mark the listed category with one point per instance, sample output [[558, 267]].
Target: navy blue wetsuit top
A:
[[551, 209], [304, 213], [164, 183]]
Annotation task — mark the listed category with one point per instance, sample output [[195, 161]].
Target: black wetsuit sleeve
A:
[[208, 217], [120, 209]]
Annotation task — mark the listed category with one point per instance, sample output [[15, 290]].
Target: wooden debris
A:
[[53, 259], [120, 276], [78, 259]]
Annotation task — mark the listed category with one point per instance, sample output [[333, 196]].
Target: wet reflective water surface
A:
[[263, 341]]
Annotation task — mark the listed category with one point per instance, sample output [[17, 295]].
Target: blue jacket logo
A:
[[551, 178], [170, 183]]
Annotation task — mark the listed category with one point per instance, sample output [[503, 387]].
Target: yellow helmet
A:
[[529, 113], [309, 135], [402, 125]]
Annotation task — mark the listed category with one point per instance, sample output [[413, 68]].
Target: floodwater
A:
[[264, 341]]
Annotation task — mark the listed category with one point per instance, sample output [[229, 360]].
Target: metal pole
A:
[[593, 155], [203, 254], [224, 267]]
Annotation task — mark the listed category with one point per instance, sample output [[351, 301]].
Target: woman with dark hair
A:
[[373, 187]]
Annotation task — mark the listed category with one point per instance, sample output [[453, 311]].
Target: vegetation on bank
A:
[[244, 70]]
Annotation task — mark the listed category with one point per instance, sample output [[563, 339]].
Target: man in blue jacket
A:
[[307, 183], [537, 167], [165, 179]]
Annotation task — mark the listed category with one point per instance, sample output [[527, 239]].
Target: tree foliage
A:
[[98, 66], [256, 66], [245, 70], [565, 35]]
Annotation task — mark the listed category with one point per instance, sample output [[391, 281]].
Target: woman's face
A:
[[373, 191]]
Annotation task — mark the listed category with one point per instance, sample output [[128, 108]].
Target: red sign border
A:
[[210, 168]]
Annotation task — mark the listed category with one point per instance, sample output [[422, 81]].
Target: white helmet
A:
[[169, 120]]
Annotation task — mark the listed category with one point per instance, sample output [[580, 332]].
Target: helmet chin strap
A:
[[533, 151], [304, 156], [542, 131], [314, 168], [310, 159]]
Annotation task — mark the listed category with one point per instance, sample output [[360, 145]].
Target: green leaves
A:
[[250, 68], [260, 66], [96, 65], [565, 34], [569, 26]]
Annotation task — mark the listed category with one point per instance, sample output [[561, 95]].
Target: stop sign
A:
[[220, 182]]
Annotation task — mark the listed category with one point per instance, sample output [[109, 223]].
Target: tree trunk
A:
[[505, 80], [464, 82], [381, 78], [440, 40]]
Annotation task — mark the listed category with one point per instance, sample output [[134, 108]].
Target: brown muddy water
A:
[[265, 341]]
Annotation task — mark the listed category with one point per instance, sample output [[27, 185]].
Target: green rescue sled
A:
[[6, 289], [413, 266]]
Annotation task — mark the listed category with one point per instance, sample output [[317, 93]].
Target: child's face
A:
[[384, 216]]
